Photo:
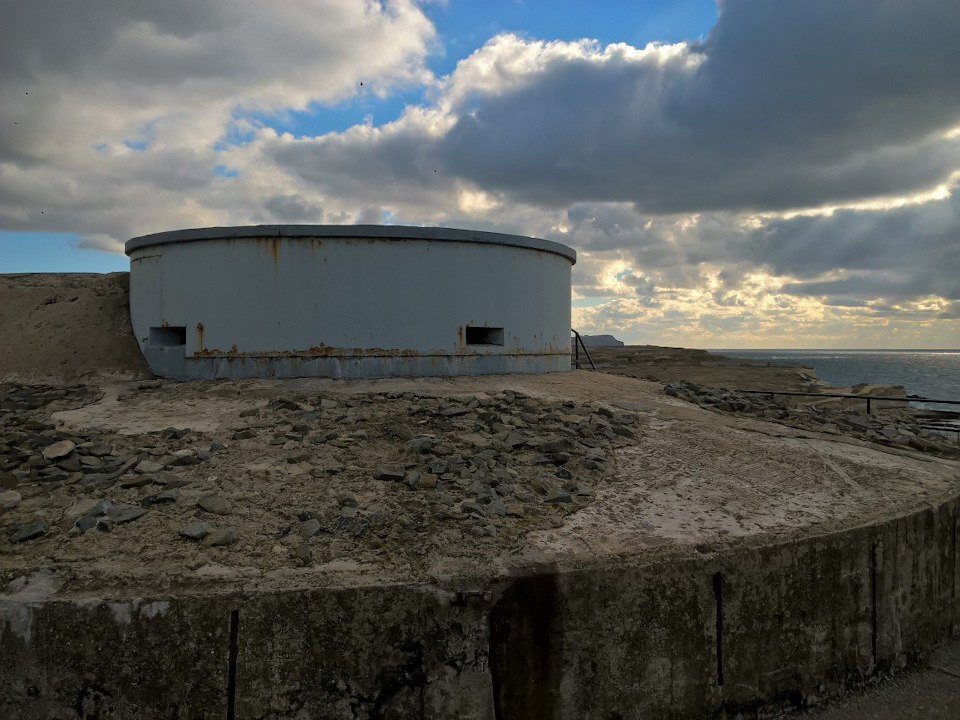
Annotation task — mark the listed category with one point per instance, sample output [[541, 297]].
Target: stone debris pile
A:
[[897, 426], [303, 479]]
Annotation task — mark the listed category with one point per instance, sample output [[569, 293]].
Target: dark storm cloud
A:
[[395, 166], [293, 209], [794, 104], [904, 253]]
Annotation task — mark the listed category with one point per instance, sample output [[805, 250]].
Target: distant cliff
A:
[[601, 341]]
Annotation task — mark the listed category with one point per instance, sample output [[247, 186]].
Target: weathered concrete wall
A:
[[364, 652], [736, 629]]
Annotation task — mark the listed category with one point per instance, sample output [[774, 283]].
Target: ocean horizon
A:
[[931, 373]]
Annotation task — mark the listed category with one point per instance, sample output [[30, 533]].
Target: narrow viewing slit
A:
[[232, 664], [718, 599], [484, 335], [168, 336]]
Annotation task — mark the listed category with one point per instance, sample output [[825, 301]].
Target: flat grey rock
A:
[[216, 504], [557, 495], [147, 467], [224, 536], [308, 528], [58, 450], [161, 497], [30, 531], [389, 472], [123, 515], [196, 531], [137, 481]]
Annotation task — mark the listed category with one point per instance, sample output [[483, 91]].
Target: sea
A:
[[931, 374]]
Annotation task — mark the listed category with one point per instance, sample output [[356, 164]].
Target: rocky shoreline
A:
[[891, 426]]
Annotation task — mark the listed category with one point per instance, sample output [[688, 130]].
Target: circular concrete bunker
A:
[[348, 301]]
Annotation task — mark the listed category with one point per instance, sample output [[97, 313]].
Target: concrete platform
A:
[[724, 565]]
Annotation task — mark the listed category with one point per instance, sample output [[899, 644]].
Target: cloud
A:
[[117, 114], [783, 106], [792, 175], [293, 209]]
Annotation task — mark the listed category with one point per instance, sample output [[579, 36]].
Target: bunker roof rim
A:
[[378, 232]]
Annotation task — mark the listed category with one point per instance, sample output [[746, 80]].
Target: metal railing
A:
[[868, 398], [577, 344]]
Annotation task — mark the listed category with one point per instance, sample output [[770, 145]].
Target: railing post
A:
[[586, 352]]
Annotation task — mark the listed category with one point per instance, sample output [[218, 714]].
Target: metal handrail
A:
[[577, 344], [868, 398]]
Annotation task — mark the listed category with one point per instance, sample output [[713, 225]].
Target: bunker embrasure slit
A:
[[484, 335], [526, 649], [168, 336], [718, 599], [873, 604], [232, 664]]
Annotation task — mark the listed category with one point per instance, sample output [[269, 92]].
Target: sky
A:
[[740, 173]]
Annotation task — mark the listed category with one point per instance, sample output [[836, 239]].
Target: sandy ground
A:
[[67, 327]]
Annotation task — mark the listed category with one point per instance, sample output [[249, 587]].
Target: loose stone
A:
[[185, 457], [217, 538], [421, 444], [160, 497], [556, 495], [196, 531], [470, 507], [70, 464], [496, 507], [122, 515], [147, 467], [389, 472], [403, 432], [58, 450], [9, 499], [438, 466], [30, 531], [309, 528], [514, 510], [304, 554], [347, 499], [89, 519], [216, 504]]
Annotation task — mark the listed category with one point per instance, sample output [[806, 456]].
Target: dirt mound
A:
[[67, 327]]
